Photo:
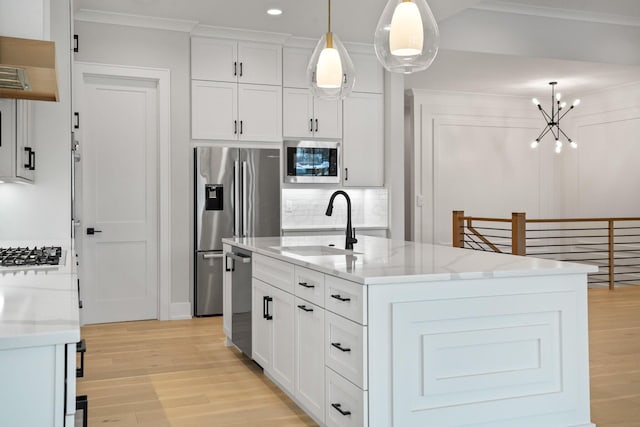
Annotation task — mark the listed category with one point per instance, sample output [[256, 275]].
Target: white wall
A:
[[42, 211], [124, 45], [471, 152], [602, 177]]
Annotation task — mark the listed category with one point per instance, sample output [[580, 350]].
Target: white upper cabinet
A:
[[259, 113], [369, 73], [214, 110], [294, 66], [240, 62], [17, 154], [363, 140], [306, 116]]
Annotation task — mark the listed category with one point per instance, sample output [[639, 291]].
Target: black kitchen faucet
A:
[[350, 233]]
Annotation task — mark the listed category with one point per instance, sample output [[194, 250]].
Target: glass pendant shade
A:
[[330, 72], [407, 37]]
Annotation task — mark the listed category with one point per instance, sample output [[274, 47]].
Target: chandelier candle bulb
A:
[[576, 103], [535, 101]]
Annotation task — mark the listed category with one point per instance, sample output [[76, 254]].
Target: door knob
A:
[[91, 231]]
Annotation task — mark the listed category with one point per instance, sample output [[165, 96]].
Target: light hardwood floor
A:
[[179, 374]]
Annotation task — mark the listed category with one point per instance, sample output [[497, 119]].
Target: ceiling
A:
[[512, 47]]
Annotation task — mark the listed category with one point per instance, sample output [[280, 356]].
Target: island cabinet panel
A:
[[482, 352], [345, 404], [227, 280], [309, 357], [262, 327]]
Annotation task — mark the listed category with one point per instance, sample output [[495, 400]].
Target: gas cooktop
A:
[[31, 257]]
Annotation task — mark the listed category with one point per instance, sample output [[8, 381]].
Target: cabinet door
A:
[[214, 110], [260, 112], [260, 63], [282, 363], [309, 356], [297, 113], [363, 140], [327, 122], [261, 325], [25, 151], [369, 73], [226, 292], [7, 137], [294, 67], [214, 59]]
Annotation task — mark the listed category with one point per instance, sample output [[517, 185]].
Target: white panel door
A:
[[260, 112], [327, 122], [363, 140], [297, 120], [214, 110], [214, 59], [260, 63], [119, 133]]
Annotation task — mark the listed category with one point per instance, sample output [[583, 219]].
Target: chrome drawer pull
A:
[[306, 285], [340, 298], [338, 407], [339, 347]]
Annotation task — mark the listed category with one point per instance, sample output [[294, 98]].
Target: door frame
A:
[[162, 77]]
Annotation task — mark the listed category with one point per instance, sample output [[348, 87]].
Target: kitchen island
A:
[[39, 329], [400, 333]]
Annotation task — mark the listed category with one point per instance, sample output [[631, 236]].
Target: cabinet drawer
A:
[[274, 272], [346, 404], [345, 348], [309, 285], [348, 299]]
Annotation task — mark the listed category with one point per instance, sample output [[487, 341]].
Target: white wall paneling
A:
[[472, 153]]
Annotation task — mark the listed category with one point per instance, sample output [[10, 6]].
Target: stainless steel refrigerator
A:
[[237, 193]]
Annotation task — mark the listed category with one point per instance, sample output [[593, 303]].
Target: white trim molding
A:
[[558, 13], [162, 77], [141, 21]]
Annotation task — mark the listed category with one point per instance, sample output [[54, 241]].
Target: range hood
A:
[[28, 69]]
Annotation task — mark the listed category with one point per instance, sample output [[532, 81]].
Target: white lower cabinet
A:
[[309, 357], [346, 348], [346, 405], [271, 342]]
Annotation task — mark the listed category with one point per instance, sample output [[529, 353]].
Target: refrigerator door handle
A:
[[236, 193], [244, 199], [212, 255]]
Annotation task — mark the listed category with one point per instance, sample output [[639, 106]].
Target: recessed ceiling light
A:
[[274, 12]]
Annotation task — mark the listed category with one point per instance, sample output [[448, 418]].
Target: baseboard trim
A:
[[180, 311]]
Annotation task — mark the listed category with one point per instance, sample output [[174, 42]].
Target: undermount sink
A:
[[314, 250]]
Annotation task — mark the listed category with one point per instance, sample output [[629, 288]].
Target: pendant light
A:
[[407, 37], [330, 72]]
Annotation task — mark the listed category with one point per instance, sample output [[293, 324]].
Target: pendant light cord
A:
[[329, 20]]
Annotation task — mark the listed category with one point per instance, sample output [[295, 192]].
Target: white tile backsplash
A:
[[305, 208]]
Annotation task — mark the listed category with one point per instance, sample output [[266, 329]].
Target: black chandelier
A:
[[553, 119]]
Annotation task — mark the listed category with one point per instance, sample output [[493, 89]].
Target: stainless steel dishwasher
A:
[[241, 299]]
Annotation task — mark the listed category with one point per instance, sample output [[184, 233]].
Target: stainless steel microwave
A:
[[309, 161]]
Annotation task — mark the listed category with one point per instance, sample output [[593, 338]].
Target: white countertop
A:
[[39, 307], [378, 260]]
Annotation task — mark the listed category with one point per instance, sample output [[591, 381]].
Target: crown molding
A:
[[558, 13], [88, 15], [239, 34]]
